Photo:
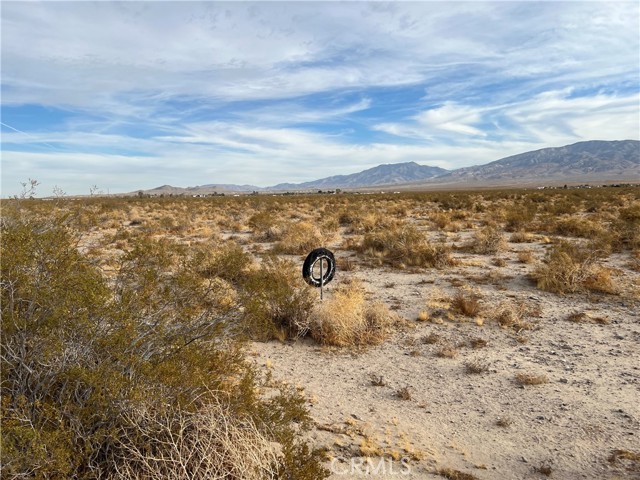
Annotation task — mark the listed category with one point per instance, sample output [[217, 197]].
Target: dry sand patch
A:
[[486, 424]]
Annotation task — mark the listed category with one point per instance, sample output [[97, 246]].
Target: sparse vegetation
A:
[[476, 366], [404, 393], [378, 381], [300, 238], [530, 379], [123, 302], [581, 317], [431, 339], [403, 245], [504, 422], [478, 343], [453, 474], [447, 351], [620, 454], [521, 236], [526, 256], [544, 469], [499, 262]]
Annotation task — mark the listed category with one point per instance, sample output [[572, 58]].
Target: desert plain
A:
[[489, 334]]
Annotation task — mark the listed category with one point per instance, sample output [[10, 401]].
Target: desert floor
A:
[[484, 425], [485, 371]]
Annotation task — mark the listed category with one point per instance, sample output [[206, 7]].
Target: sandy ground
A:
[[486, 425]]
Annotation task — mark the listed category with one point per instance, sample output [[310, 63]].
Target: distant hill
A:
[[222, 187], [593, 160], [389, 174], [202, 189]]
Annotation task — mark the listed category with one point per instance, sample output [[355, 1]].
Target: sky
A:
[[119, 96]]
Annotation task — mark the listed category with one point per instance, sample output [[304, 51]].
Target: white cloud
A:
[[451, 117], [234, 91], [550, 118], [84, 54]]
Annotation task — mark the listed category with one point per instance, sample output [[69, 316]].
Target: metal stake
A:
[[321, 278]]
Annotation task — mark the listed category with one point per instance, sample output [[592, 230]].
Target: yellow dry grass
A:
[[347, 318]]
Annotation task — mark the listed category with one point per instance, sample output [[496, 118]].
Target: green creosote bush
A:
[[226, 260], [97, 377], [277, 303]]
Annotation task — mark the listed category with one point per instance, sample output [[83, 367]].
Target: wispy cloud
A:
[[547, 119], [289, 91]]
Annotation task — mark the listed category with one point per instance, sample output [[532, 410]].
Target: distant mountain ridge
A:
[[595, 160], [577, 161], [387, 174]]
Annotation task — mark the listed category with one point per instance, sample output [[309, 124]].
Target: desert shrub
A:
[[487, 241], [570, 267], [404, 245], [499, 262], [476, 366], [226, 260], [266, 226], [521, 236], [363, 221], [347, 318], [212, 443], [562, 205], [277, 303], [526, 256], [300, 238], [466, 303], [171, 224], [514, 315], [92, 370], [347, 217], [453, 474], [329, 223], [627, 227], [346, 264], [441, 219], [629, 459], [576, 226], [530, 379], [519, 217], [447, 351]]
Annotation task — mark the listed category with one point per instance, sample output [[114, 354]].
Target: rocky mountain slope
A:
[[597, 159], [389, 174]]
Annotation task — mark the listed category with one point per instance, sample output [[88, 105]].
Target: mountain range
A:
[[597, 159], [388, 174], [591, 161]]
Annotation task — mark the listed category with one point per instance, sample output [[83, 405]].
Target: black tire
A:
[[315, 256]]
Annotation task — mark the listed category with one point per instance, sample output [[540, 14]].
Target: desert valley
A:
[[466, 335]]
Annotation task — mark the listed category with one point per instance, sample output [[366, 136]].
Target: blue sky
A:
[[133, 95]]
